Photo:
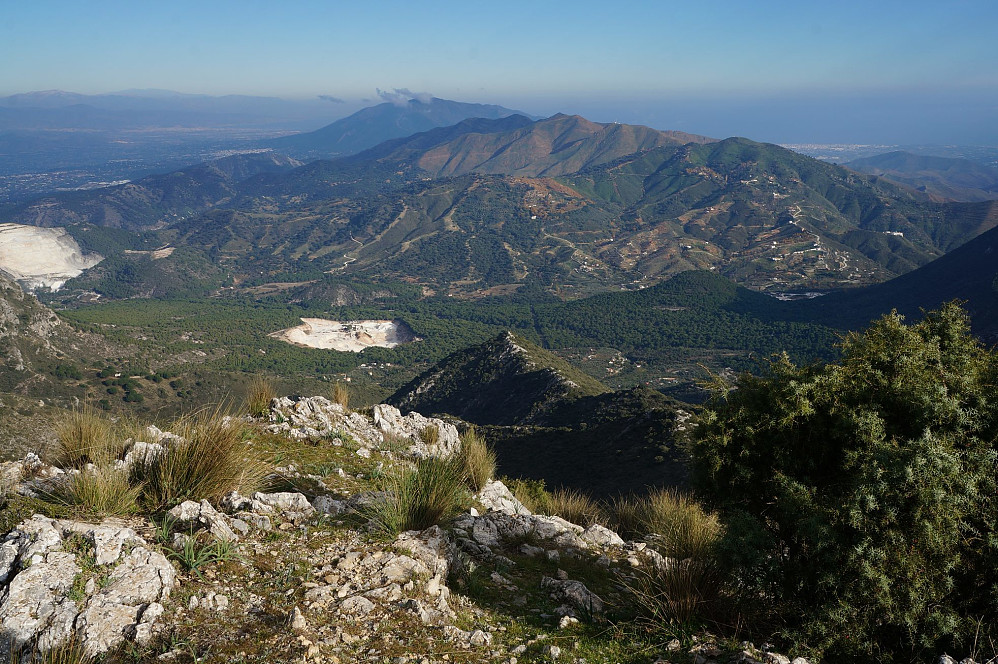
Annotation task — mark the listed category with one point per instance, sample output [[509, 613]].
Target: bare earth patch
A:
[[353, 336], [41, 257]]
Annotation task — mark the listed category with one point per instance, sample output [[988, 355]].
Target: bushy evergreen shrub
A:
[[860, 495]]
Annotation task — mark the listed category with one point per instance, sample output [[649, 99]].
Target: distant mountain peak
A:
[[506, 380], [373, 125]]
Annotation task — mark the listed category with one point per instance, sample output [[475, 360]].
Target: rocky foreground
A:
[[298, 575]]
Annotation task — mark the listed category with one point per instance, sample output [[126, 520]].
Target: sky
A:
[[781, 71]]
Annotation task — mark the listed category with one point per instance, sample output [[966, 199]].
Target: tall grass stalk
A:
[[341, 395], [687, 585], [259, 395], [84, 436]]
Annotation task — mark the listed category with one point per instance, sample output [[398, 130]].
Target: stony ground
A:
[[296, 574]]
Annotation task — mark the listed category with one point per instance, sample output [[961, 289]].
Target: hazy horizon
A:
[[774, 71]]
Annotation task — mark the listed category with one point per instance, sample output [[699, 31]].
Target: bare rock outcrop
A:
[[99, 584], [409, 429]]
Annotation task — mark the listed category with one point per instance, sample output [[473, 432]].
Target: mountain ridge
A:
[[941, 177], [375, 124], [505, 381]]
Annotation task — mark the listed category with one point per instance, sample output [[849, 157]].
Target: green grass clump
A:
[[259, 395], [478, 459], [432, 492], [531, 493], [211, 459], [84, 436], [688, 586], [102, 490], [195, 556]]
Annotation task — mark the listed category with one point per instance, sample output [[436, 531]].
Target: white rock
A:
[[298, 622], [601, 537], [35, 606], [357, 605], [285, 501], [410, 427], [496, 496]]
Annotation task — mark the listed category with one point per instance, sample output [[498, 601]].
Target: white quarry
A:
[[42, 257], [353, 336]]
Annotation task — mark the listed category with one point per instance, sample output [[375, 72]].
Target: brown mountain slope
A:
[[556, 146]]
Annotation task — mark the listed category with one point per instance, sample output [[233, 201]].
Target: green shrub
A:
[[863, 491], [478, 459], [431, 492], [210, 460]]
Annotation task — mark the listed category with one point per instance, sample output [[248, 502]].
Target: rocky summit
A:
[[298, 570]]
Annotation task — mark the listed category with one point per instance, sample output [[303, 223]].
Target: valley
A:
[[654, 330]]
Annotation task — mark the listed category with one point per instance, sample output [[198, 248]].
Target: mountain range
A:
[[574, 206], [375, 124], [944, 178]]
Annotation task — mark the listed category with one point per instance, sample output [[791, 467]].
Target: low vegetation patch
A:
[[211, 459], [431, 492], [478, 459]]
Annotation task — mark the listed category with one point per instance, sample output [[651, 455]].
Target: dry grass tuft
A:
[[259, 395], [478, 459], [102, 490], [430, 434], [626, 514], [688, 585], [71, 652], [573, 505], [85, 436], [431, 492], [341, 395], [211, 459]]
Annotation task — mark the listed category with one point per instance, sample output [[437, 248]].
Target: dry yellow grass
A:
[[84, 436], [341, 395], [211, 459], [259, 395], [478, 459]]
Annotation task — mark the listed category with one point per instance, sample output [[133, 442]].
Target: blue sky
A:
[[710, 66]]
